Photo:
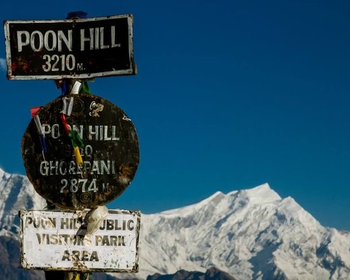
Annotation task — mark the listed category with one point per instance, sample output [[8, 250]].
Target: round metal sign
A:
[[80, 151]]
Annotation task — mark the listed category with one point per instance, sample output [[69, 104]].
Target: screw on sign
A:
[[80, 151]]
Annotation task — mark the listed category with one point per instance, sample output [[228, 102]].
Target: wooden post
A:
[[65, 275]]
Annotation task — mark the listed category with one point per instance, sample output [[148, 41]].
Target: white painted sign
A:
[[52, 240]]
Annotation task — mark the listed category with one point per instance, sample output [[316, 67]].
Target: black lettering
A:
[[66, 256], [110, 225], [53, 239], [64, 223], [114, 240], [29, 221], [39, 238], [98, 239], [105, 240], [103, 225], [121, 240], [117, 226], [76, 255], [131, 225], [85, 256], [94, 257]]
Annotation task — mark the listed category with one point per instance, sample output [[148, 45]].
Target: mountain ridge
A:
[[264, 234], [249, 234]]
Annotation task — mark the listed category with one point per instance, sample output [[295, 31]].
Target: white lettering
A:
[[37, 37], [97, 36], [55, 168], [20, 42], [53, 40], [55, 131], [50, 40], [113, 43], [93, 132], [44, 168], [62, 38], [84, 39], [102, 39], [106, 137]]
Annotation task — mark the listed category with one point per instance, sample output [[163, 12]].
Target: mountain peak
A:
[[258, 195], [262, 187], [250, 234], [261, 194]]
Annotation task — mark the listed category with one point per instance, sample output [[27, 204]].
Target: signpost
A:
[[51, 241], [80, 151], [109, 152], [71, 48]]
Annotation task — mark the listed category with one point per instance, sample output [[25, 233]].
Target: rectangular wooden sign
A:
[[50, 241], [71, 48]]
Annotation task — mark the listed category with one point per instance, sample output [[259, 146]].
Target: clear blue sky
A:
[[229, 95]]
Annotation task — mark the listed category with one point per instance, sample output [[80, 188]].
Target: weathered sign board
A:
[[110, 153], [72, 48], [49, 241]]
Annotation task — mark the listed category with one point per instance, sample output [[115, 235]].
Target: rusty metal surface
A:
[[71, 48], [52, 240], [110, 155]]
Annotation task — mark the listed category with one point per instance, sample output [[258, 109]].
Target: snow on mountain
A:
[[16, 193], [250, 234]]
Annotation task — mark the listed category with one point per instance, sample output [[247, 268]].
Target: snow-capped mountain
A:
[[16, 193], [250, 234]]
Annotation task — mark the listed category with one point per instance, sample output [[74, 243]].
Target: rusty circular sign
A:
[[80, 151]]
